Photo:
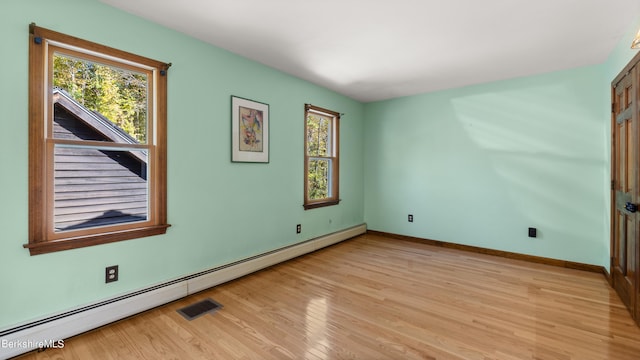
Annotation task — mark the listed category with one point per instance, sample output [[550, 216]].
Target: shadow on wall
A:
[[540, 140], [479, 165]]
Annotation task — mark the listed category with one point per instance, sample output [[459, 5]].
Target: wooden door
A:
[[625, 162]]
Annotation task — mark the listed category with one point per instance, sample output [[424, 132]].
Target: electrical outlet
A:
[[410, 218], [533, 232], [111, 274], [298, 229]]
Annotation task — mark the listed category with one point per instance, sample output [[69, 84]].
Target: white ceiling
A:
[[379, 49]]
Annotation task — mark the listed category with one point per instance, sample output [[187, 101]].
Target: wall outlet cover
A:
[[111, 274]]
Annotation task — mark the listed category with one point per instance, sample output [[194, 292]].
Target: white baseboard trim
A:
[[49, 331]]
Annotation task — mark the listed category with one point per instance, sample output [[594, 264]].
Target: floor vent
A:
[[200, 308]]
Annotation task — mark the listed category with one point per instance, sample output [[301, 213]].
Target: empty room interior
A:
[[326, 180]]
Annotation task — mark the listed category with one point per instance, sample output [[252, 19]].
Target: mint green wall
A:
[[479, 165], [220, 211]]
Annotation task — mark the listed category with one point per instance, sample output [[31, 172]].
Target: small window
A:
[[321, 170], [97, 144]]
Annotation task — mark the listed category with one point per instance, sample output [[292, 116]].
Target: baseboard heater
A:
[[48, 331]]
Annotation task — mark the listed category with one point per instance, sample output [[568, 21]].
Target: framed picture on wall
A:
[[249, 131]]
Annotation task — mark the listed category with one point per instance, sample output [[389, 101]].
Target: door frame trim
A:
[[635, 312]]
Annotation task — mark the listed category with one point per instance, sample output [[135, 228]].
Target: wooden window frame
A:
[[334, 199], [42, 237]]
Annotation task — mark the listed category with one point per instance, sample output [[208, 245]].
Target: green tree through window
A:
[[119, 95]]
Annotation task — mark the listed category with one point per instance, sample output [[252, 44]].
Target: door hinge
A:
[[613, 106], [613, 184]]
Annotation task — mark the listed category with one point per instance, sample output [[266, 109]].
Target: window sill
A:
[[319, 204], [90, 240]]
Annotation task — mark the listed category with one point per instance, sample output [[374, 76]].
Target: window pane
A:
[[94, 187], [94, 101], [318, 135], [318, 179]]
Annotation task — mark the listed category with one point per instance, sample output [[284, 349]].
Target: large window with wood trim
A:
[[97, 143], [321, 157]]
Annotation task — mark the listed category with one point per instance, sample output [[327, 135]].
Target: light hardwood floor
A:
[[379, 298]]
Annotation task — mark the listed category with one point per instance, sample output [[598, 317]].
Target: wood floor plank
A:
[[375, 297]]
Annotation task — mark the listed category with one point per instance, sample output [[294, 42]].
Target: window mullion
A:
[[101, 145]]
